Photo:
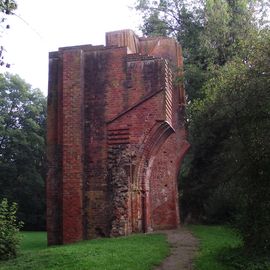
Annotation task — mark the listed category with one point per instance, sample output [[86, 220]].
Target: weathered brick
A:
[[115, 136]]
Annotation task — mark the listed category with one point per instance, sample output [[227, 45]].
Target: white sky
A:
[[50, 24]]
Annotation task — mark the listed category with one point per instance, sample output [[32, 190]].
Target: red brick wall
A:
[[72, 147], [115, 138]]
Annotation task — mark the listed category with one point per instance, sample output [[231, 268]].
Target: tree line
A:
[[22, 142], [22, 149], [225, 178]]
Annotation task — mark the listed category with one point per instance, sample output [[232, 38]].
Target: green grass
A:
[[213, 241], [136, 252], [33, 241], [222, 249]]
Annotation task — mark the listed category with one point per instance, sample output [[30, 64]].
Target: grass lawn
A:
[[213, 240], [140, 252]]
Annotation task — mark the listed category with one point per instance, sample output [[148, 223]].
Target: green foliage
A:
[[213, 241], [221, 205], [180, 19], [211, 32], [135, 252], [235, 148], [9, 230], [7, 7], [225, 176], [155, 26], [222, 248], [237, 258], [22, 148]]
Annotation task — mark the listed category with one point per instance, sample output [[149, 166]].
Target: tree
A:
[[7, 7], [210, 32], [227, 81], [234, 150], [22, 148], [182, 20]]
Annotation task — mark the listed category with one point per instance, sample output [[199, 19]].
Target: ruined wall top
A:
[[157, 46]]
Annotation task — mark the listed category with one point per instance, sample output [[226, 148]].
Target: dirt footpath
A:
[[183, 250]]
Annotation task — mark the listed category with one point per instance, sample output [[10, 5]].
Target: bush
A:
[[237, 258], [221, 206], [9, 230]]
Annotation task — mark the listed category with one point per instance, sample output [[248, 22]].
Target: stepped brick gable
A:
[[116, 137]]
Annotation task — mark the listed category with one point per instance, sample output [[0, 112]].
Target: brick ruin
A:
[[115, 139]]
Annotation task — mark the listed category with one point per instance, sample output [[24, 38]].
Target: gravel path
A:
[[183, 249]]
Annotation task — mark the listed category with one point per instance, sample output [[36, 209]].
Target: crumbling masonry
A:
[[116, 137]]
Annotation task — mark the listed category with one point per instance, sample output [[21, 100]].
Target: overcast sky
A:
[[43, 26]]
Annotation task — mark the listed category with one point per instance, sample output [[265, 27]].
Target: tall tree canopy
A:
[[22, 148], [211, 32], [229, 133], [225, 176]]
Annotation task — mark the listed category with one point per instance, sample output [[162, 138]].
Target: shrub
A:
[[9, 230], [221, 205]]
